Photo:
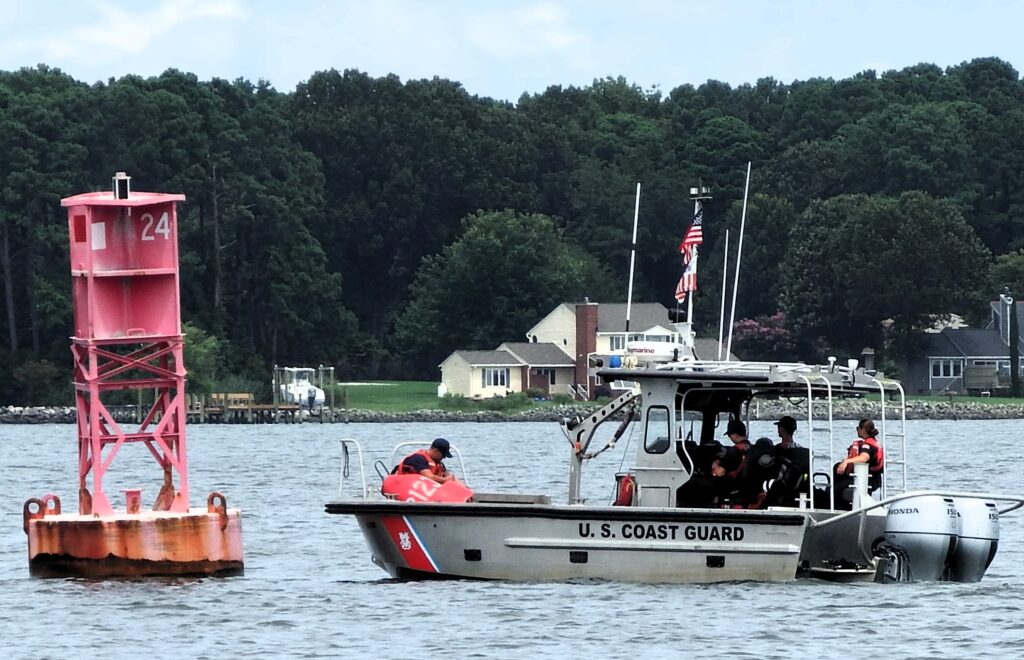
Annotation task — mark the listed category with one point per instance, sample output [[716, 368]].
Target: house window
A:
[[493, 377], [636, 337], [617, 342], [946, 368]]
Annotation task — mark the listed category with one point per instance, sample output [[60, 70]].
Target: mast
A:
[[632, 258], [725, 273], [739, 255]]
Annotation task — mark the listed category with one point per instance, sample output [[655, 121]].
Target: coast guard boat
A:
[[668, 523]]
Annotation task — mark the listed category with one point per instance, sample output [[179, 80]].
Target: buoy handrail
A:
[[345, 442]]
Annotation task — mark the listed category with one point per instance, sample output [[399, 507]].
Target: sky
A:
[[504, 48]]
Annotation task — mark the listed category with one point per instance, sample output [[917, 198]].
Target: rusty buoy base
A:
[[62, 566], [148, 543]]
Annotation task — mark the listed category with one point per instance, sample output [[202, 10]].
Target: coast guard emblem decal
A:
[[410, 545]]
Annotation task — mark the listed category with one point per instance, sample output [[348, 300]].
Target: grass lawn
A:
[[388, 395]]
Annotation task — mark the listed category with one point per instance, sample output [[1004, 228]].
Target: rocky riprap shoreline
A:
[[765, 410]]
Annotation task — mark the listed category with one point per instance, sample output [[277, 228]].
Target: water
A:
[[309, 589]]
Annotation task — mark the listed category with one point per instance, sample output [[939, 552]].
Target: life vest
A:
[[624, 492], [877, 462], [435, 467]]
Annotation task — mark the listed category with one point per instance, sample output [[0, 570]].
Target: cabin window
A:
[[495, 377], [946, 368], [656, 434], [617, 342]]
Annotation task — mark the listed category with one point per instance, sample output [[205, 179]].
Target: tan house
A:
[[512, 367], [560, 351]]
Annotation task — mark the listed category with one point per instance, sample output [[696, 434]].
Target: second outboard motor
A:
[[924, 530], [978, 541]]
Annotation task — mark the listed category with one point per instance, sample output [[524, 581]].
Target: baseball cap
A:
[[736, 426], [442, 446], [787, 423]]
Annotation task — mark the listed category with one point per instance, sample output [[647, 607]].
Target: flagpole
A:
[[697, 194], [739, 255], [725, 274], [632, 258]]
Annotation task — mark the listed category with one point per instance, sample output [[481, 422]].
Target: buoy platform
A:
[[144, 543]]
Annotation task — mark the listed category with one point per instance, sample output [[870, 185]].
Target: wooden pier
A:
[[241, 408]]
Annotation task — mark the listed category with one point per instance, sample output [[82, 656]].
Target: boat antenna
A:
[[725, 274], [739, 255], [632, 258]]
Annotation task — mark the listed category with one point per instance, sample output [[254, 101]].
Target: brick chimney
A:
[[586, 341]]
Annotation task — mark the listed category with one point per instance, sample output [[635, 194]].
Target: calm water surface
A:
[[310, 590]]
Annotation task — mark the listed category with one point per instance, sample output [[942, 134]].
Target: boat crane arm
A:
[[580, 430]]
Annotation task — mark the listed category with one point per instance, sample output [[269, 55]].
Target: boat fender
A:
[[625, 489]]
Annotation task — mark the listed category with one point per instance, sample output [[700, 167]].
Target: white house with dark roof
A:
[[560, 351], [966, 360]]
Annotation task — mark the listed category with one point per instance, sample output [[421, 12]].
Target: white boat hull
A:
[[559, 542]]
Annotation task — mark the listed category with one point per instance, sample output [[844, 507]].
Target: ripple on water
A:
[[310, 589]]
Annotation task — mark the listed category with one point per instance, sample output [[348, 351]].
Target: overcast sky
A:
[[502, 48]]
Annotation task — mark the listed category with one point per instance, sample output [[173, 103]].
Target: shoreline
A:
[[765, 410]]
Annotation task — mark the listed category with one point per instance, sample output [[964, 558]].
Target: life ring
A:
[[625, 489]]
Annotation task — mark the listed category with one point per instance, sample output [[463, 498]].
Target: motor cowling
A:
[[924, 531], [978, 539]]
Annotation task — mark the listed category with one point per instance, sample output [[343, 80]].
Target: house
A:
[[561, 351], [962, 360]]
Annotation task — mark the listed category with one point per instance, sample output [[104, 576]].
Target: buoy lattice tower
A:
[[127, 336]]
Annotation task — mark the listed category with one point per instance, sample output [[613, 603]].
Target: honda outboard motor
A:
[[924, 532], [978, 541]]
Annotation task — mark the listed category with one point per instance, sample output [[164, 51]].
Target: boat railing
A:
[[463, 476], [347, 445], [833, 372], [815, 453], [1018, 502]]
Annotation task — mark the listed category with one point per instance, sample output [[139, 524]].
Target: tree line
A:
[[376, 225]]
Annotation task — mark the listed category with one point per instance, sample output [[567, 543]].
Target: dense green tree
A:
[[503, 274], [863, 269]]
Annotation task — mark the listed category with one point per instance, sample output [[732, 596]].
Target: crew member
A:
[[427, 462], [787, 427], [737, 432], [865, 449]]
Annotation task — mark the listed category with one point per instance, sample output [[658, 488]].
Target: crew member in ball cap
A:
[[737, 432], [427, 462], [787, 427]]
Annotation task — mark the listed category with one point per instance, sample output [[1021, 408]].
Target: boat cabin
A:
[[684, 411]]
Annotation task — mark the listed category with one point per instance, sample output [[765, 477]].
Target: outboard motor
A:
[[978, 539], [923, 531]]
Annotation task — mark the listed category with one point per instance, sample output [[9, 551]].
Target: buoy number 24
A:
[[151, 226]]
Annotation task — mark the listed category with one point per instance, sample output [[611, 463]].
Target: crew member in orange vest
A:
[[427, 462], [865, 449]]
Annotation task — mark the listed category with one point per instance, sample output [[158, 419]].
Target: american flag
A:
[[694, 236], [688, 282]]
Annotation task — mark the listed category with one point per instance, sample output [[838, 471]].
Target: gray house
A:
[[966, 360]]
